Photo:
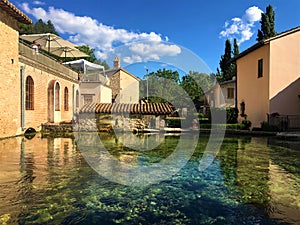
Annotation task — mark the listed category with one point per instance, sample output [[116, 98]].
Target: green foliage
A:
[[247, 124], [232, 115], [267, 24], [163, 86], [227, 65], [265, 126], [166, 74], [173, 122], [166, 86], [195, 84], [102, 63], [38, 28], [89, 51]]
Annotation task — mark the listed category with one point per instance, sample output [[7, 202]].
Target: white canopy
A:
[[84, 65]]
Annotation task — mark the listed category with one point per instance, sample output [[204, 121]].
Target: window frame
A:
[[57, 96], [230, 94], [260, 67], [66, 99], [29, 93]]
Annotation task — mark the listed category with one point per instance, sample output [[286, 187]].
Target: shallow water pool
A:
[[250, 180]]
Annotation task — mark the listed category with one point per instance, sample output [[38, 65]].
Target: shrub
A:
[[173, 122], [265, 126], [232, 115], [247, 124]]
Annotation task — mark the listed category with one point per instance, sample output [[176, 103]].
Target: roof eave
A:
[[13, 11]]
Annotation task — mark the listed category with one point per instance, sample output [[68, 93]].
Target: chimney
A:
[[116, 62]]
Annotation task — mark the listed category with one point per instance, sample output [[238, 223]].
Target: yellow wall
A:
[[129, 88], [10, 79], [100, 92], [253, 90], [105, 94], [285, 74]]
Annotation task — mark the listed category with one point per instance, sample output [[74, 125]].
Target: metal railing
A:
[[285, 122]]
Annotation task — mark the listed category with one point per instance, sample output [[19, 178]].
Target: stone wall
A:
[[10, 79], [106, 123], [115, 84]]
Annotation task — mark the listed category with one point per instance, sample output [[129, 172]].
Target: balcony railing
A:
[[42, 60]]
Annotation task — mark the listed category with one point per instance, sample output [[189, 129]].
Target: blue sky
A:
[[188, 35]]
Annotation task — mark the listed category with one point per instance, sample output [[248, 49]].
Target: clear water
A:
[[251, 181]]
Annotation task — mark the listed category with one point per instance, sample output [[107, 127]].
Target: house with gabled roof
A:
[[268, 78], [124, 85]]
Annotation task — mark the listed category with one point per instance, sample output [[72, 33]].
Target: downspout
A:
[[74, 100], [22, 98]]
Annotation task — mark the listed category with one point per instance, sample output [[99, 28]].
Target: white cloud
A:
[[242, 28], [150, 51], [38, 3], [86, 30]]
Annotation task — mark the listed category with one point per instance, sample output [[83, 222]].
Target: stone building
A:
[[124, 85], [10, 110], [34, 89]]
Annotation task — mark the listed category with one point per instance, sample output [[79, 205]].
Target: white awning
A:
[[84, 65]]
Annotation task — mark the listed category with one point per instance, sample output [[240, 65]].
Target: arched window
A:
[[57, 97], [66, 98], [29, 92]]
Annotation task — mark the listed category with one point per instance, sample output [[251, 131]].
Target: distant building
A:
[[94, 85], [124, 85], [268, 77], [222, 95]]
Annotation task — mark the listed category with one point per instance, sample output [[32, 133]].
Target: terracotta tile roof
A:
[[13, 11], [145, 109]]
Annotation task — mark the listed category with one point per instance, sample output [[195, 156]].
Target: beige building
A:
[[268, 77], [222, 95], [124, 85], [94, 85], [48, 90], [34, 89]]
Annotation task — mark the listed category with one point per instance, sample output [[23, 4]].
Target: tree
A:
[[102, 63], [267, 24], [195, 84], [51, 28], [38, 28], [235, 52], [89, 51], [163, 86], [227, 64]]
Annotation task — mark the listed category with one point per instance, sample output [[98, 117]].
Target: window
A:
[[29, 92], [88, 99], [66, 99], [57, 98], [230, 93], [260, 68]]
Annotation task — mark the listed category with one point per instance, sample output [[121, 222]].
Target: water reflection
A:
[[47, 181]]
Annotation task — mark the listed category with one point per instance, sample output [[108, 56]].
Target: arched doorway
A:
[[54, 112]]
